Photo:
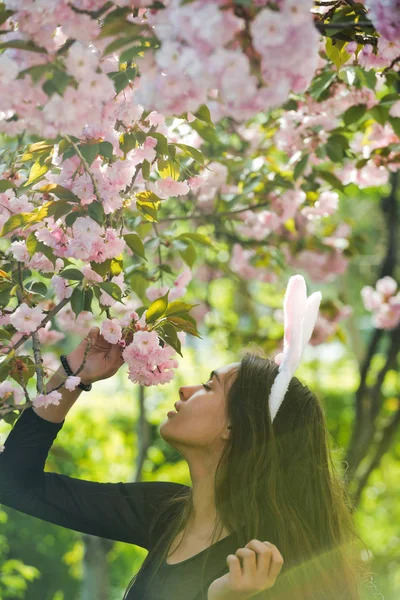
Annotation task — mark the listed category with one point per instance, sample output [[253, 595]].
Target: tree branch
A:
[[38, 362], [386, 438]]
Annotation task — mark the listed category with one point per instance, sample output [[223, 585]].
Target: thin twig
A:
[[87, 168], [38, 362]]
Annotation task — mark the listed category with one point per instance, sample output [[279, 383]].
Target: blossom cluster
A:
[[202, 47], [383, 302]]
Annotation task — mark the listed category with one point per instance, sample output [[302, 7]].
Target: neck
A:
[[204, 511]]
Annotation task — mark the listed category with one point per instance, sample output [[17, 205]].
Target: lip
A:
[[171, 413], [177, 406]]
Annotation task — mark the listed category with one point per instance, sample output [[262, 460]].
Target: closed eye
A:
[[207, 387]]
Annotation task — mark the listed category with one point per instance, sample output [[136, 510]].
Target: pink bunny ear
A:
[[295, 308], [313, 303], [300, 316]]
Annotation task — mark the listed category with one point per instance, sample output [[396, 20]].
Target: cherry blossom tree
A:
[[137, 135]]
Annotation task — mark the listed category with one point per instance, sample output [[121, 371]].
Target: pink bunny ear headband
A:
[[300, 316]]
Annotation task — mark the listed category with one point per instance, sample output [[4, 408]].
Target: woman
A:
[[254, 484]]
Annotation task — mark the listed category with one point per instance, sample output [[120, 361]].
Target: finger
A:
[[276, 562], [235, 571], [116, 354], [249, 563], [92, 334], [264, 555]]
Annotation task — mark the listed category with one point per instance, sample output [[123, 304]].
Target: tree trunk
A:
[[95, 583]]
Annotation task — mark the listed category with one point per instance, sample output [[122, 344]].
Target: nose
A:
[[181, 396]]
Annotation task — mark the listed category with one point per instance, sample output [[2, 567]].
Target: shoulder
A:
[[160, 491]]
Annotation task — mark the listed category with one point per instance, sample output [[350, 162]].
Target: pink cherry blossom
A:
[[25, 319], [10, 392], [61, 287], [91, 275], [169, 187], [45, 400], [71, 382], [111, 330], [386, 286]]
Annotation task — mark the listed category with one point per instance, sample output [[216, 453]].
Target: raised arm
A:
[[118, 511]]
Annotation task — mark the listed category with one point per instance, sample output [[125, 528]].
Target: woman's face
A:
[[201, 418]]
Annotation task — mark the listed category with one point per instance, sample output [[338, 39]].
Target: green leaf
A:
[[112, 289], [77, 301], [336, 146], [146, 170], [116, 265], [5, 292], [132, 52], [89, 152], [379, 113], [367, 78], [4, 334], [135, 244], [147, 196], [23, 45], [189, 255], [178, 307], [31, 243], [117, 45], [140, 136], [6, 185], [47, 251], [330, 178], [106, 149], [197, 237], [4, 14], [57, 83], [122, 79], [18, 220], [73, 274], [300, 166], [321, 83], [59, 191], [127, 141], [167, 332], [59, 208], [204, 114], [101, 269], [72, 217], [162, 142], [38, 287], [169, 168], [36, 72], [207, 132], [354, 113], [395, 123], [389, 99], [87, 299], [184, 324], [37, 171], [147, 211], [157, 308], [96, 212], [192, 152], [336, 52]]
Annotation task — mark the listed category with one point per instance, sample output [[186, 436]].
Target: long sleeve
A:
[[117, 511]]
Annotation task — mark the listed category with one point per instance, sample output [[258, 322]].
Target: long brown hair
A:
[[277, 482]]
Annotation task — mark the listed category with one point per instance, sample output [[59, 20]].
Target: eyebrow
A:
[[216, 375]]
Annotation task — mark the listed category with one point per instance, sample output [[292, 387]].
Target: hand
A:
[[262, 563], [103, 359]]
